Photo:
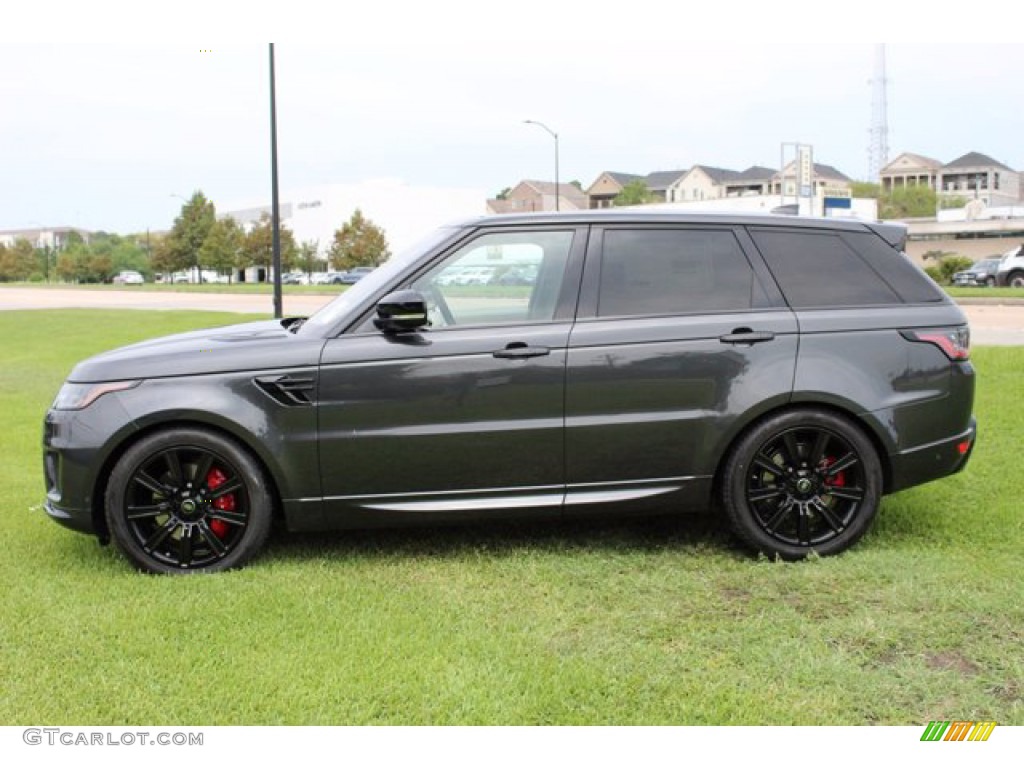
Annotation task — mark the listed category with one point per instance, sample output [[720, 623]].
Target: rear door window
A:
[[674, 271]]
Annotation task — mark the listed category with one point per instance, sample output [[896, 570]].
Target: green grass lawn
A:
[[655, 622], [958, 292]]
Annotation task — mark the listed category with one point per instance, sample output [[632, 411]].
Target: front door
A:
[[467, 416]]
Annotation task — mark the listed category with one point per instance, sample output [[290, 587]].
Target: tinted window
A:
[[907, 280], [816, 269], [503, 277], [666, 271]]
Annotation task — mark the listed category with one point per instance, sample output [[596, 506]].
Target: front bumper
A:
[[76, 445]]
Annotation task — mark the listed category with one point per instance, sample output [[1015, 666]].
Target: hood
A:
[[262, 345]]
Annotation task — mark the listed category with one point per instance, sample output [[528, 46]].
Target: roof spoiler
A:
[[894, 234]]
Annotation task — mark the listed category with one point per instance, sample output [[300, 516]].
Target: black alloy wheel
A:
[[802, 481], [187, 500]]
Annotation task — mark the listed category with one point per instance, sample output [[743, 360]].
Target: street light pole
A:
[[276, 210], [555, 137]]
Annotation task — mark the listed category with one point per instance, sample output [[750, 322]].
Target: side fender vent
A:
[[288, 389]]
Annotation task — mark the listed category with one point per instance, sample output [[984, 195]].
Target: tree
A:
[[309, 256], [634, 193], [503, 195], [359, 243], [222, 246], [190, 229], [81, 263], [258, 246], [912, 201], [865, 189], [17, 262], [164, 259]]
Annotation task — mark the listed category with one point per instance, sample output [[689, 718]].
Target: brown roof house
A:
[[607, 187], [528, 196]]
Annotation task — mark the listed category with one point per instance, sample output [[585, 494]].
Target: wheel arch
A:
[[748, 425], [106, 468]]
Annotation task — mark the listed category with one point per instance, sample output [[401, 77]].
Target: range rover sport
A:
[[792, 370]]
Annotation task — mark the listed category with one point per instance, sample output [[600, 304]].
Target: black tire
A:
[[188, 501], [800, 482], [1016, 280], [990, 282]]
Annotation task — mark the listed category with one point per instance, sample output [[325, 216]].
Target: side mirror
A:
[[401, 312]]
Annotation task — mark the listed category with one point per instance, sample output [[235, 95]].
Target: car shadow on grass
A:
[[641, 534]]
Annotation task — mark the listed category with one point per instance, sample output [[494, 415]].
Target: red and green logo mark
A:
[[958, 730]]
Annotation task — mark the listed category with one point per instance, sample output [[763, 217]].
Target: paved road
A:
[[84, 298], [996, 324]]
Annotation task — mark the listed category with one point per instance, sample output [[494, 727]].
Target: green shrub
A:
[[950, 265]]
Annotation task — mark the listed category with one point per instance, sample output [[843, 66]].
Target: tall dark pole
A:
[[554, 135], [275, 208]]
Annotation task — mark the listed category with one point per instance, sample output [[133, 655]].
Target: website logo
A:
[[958, 730]]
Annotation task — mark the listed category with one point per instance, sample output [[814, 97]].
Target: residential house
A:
[[701, 182], [607, 187], [826, 179], [659, 183], [909, 170], [528, 196], [978, 176], [756, 180]]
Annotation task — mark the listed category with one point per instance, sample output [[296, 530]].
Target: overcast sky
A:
[[100, 135]]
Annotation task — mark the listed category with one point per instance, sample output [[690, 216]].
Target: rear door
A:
[[682, 336]]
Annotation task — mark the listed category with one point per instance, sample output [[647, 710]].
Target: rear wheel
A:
[[186, 500], [802, 481], [1016, 280]]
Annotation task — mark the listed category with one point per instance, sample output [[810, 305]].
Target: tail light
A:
[[954, 342]]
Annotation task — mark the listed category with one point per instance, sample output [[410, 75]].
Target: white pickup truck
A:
[[1011, 268]]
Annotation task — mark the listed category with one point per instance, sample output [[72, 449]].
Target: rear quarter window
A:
[[911, 283], [818, 269]]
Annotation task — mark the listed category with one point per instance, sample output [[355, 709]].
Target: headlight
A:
[[74, 397]]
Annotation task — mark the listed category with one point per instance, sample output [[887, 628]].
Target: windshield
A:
[[335, 312]]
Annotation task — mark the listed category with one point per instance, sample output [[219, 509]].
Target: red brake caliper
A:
[[839, 481], [225, 503]]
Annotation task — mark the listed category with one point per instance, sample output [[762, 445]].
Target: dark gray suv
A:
[[794, 370]]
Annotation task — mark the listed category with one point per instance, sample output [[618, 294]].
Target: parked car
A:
[[321, 278], [1011, 268], [128, 277], [295, 278], [354, 275], [981, 273], [793, 370]]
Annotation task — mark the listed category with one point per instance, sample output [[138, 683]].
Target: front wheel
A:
[[1016, 280], [800, 482], [990, 282], [187, 500]]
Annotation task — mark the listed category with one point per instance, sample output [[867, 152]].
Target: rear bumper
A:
[[933, 461]]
